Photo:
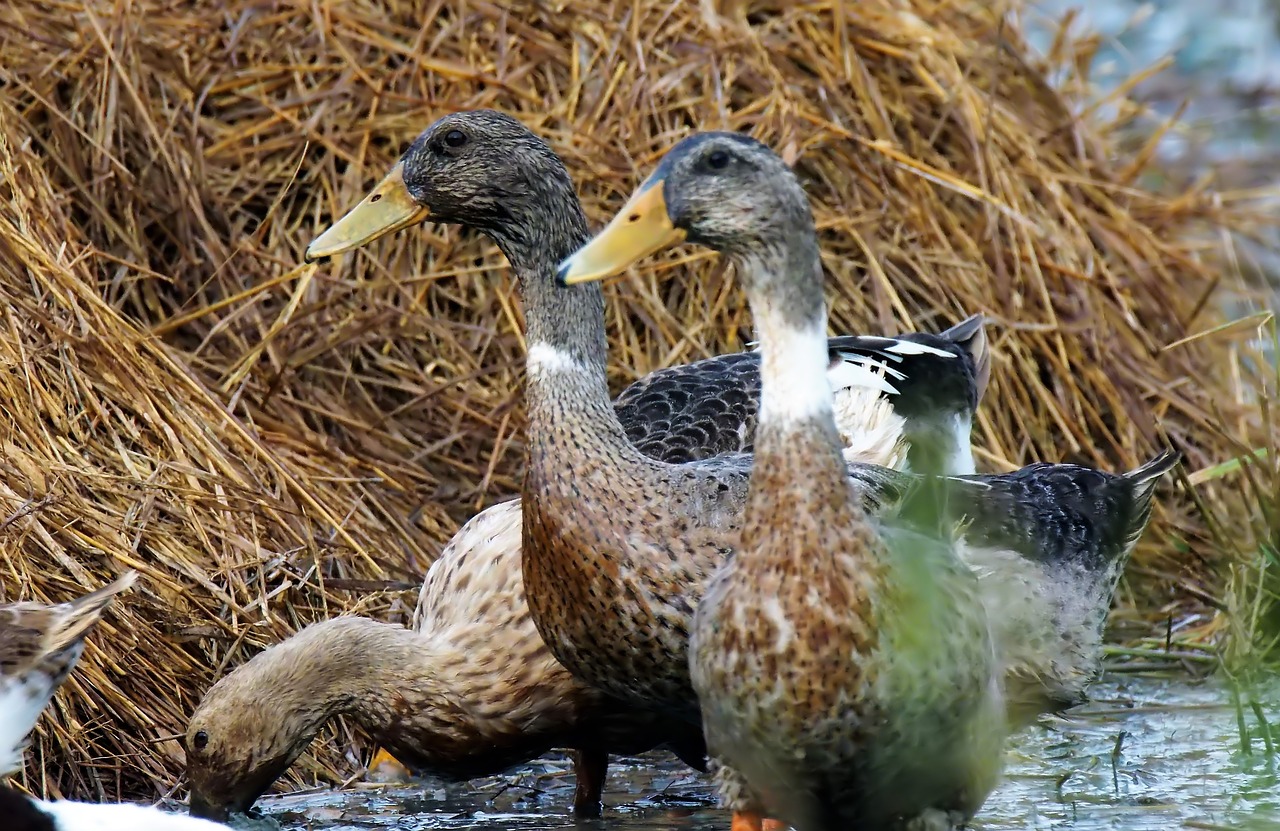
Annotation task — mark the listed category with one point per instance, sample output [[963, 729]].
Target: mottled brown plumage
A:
[[470, 690], [39, 646]]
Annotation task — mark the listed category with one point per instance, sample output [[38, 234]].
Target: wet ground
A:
[[1145, 755]]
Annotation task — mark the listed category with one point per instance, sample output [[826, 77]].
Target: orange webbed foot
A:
[[386, 768], [751, 821]]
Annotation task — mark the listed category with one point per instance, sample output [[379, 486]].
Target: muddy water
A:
[[1146, 755]]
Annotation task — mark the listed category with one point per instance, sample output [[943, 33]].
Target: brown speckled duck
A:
[[845, 666], [470, 690]]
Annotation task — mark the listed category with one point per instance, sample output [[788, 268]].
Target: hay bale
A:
[[261, 440]]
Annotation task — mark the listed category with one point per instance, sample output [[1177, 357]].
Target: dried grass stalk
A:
[[182, 398]]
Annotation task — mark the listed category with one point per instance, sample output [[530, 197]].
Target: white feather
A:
[[876, 363], [545, 358], [908, 347], [858, 372], [872, 433], [22, 699], [962, 463], [88, 816]]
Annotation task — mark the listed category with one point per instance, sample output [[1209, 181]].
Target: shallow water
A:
[[1146, 754]]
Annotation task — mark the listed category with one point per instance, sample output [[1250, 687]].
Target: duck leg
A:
[[386, 768], [590, 767], [752, 821]]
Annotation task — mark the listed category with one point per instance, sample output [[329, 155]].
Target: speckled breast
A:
[[618, 618]]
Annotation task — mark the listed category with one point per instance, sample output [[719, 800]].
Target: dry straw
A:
[[270, 444]]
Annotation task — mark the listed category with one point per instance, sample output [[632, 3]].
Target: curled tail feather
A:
[[1144, 479]]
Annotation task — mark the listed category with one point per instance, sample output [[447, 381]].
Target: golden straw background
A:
[[271, 443]]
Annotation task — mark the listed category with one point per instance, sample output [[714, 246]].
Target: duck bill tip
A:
[[388, 208], [642, 227]]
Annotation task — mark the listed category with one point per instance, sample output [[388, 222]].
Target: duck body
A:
[[846, 694], [471, 690], [844, 664], [1049, 543], [838, 720], [621, 623]]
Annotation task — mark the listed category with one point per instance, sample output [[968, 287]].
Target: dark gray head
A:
[[726, 191], [479, 168], [729, 192]]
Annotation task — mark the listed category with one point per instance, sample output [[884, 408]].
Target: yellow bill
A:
[[640, 228], [386, 209]]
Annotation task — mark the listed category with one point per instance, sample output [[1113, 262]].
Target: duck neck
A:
[[567, 388], [797, 434], [348, 666]]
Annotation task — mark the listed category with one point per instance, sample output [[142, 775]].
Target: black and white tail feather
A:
[[1143, 479], [932, 382]]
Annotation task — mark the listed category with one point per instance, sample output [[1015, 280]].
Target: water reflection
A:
[[1145, 755]]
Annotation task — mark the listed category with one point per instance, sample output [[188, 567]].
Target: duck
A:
[[40, 644], [469, 689], [617, 619], [844, 665]]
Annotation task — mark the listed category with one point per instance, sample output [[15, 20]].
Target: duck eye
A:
[[718, 160], [455, 138], [200, 740]]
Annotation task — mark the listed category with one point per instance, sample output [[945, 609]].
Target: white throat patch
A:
[[543, 358]]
